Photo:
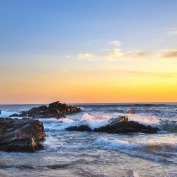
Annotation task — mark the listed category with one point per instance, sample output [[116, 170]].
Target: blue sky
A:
[[43, 37], [29, 26]]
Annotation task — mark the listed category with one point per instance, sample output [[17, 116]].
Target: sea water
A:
[[95, 154]]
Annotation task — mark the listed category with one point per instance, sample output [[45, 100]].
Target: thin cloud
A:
[[115, 43], [128, 53], [172, 32], [86, 56], [140, 54], [171, 54], [116, 53]]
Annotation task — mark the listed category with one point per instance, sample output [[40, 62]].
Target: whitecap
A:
[[6, 114], [92, 122], [58, 124], [144, 119], [122, 144]]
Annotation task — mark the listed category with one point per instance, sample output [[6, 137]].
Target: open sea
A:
[[93, 154]]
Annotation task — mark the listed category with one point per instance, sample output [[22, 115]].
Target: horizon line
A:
[[91, 103]]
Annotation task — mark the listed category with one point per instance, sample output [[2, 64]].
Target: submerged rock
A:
[[118, 125], [54, 110], [21, 135]]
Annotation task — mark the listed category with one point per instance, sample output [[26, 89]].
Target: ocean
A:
[[95, 154]]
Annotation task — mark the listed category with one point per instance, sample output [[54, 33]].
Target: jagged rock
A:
[[21, 135], [42, 108], [54, 110], [54, 104]]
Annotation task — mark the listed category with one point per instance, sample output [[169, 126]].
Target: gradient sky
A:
[[80, 51]]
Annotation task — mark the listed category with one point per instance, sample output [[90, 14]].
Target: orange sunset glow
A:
[[89, 58]]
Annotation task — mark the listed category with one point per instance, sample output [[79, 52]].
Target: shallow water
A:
[[93, 154]]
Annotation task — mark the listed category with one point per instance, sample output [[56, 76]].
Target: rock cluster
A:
[[21, 135], [54, 110], [118, 125]]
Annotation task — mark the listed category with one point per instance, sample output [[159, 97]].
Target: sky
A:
[[83, 51]]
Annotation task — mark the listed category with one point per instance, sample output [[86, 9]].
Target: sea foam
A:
[[145, 120], [92, 122], [58, 124], [111, 144], [6, 114]]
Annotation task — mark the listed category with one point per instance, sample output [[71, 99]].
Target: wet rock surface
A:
[[118, 125], [21, 135], [53, 110]]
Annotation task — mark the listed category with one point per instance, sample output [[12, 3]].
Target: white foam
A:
[[58, 124], [62, 124], [145, 120], [97, 120], [121, 144], [92, 122], [82, 108], [116, 144], [142, 150], [6, 114]]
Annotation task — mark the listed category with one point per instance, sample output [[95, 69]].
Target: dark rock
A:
[[14, 115], [54, 110], [57, 166], [61, 116], [79, 128], [21, 135], [127, 127], [33, 110], [118, 127], [42, 108], [23, 114], [54, 104]]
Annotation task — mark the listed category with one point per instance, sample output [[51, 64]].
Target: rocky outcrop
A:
[[54, 110], [118, 125], [127, 127], [21, 135]]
